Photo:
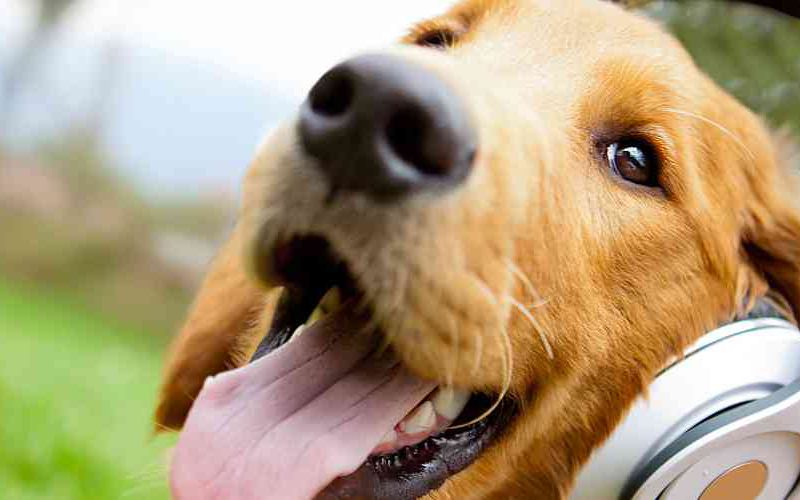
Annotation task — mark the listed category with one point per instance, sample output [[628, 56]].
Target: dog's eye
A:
[[634, 161], [438, 39]]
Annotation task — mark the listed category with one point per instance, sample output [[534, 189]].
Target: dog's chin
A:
[[439, 436]]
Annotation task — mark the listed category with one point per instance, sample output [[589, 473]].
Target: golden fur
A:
[[543, 273]]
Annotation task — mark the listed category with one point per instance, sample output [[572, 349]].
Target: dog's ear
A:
[[227, 304], [771, 238], [783, 6], [632, 4]]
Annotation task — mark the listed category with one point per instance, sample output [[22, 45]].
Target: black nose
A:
[[387, 128]]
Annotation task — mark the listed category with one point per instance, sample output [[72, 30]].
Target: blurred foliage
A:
[[752, 52], [83, 228], [76, 393]]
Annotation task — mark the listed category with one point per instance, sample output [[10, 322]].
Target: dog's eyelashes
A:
[[438, 39], [635, 161]]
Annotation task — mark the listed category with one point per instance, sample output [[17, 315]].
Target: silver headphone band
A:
[[702, 430], [726, 332]]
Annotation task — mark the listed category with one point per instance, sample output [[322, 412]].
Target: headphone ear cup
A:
[[752, 450], [736, 385]]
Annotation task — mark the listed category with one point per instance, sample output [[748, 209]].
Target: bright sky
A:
[[285, 42]]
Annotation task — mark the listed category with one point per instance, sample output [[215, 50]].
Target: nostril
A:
[[333, 94], [407, 133], [386, 128]]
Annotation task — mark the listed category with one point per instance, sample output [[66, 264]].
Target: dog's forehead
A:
[[544, 29], [567, 48]]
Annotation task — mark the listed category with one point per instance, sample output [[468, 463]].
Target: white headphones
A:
[[722, 423]]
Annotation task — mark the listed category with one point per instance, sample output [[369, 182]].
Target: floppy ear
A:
[[227, 305], [789, 8], [772, 236], [783, 6]]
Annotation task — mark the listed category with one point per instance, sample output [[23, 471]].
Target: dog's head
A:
[[538, 201]]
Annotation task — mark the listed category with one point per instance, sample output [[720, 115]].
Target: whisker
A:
[[516, 271], [507, 357], [536, 325], [719, 126], [538, 304], [164, 427], [452, 368], [478, 355], [145, 485], [148, 473], [538, 300], [487, 292], [371, 325], [393, 306], [151, 477], [508, 368], [192, 398]]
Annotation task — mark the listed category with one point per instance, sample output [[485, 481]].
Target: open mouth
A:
[[440, 434]]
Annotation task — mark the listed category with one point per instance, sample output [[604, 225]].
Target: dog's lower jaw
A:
[[546, 446]]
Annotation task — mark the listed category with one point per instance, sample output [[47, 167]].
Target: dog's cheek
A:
[[455, 332]]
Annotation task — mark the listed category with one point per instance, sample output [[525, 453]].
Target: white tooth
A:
[[421, 420], [389, 437], [316, 315], [331, 301], [298, 331], [450, 402]]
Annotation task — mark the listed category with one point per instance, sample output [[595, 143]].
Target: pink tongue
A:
[[287, 425]]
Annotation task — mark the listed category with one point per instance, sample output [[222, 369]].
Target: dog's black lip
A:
[[295, 305], [413, 471], [308, 268]]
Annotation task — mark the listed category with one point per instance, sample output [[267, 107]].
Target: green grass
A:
[[76, 396]]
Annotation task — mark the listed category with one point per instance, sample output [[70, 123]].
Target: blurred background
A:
[[125, 127]]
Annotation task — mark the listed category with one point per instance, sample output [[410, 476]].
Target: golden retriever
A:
[[526, 209]]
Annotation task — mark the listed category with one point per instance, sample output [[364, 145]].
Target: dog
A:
[[513, 221]]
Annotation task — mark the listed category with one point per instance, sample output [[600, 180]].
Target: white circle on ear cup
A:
[[778, 451]]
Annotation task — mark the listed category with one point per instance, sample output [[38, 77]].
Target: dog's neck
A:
[[771, 305]]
